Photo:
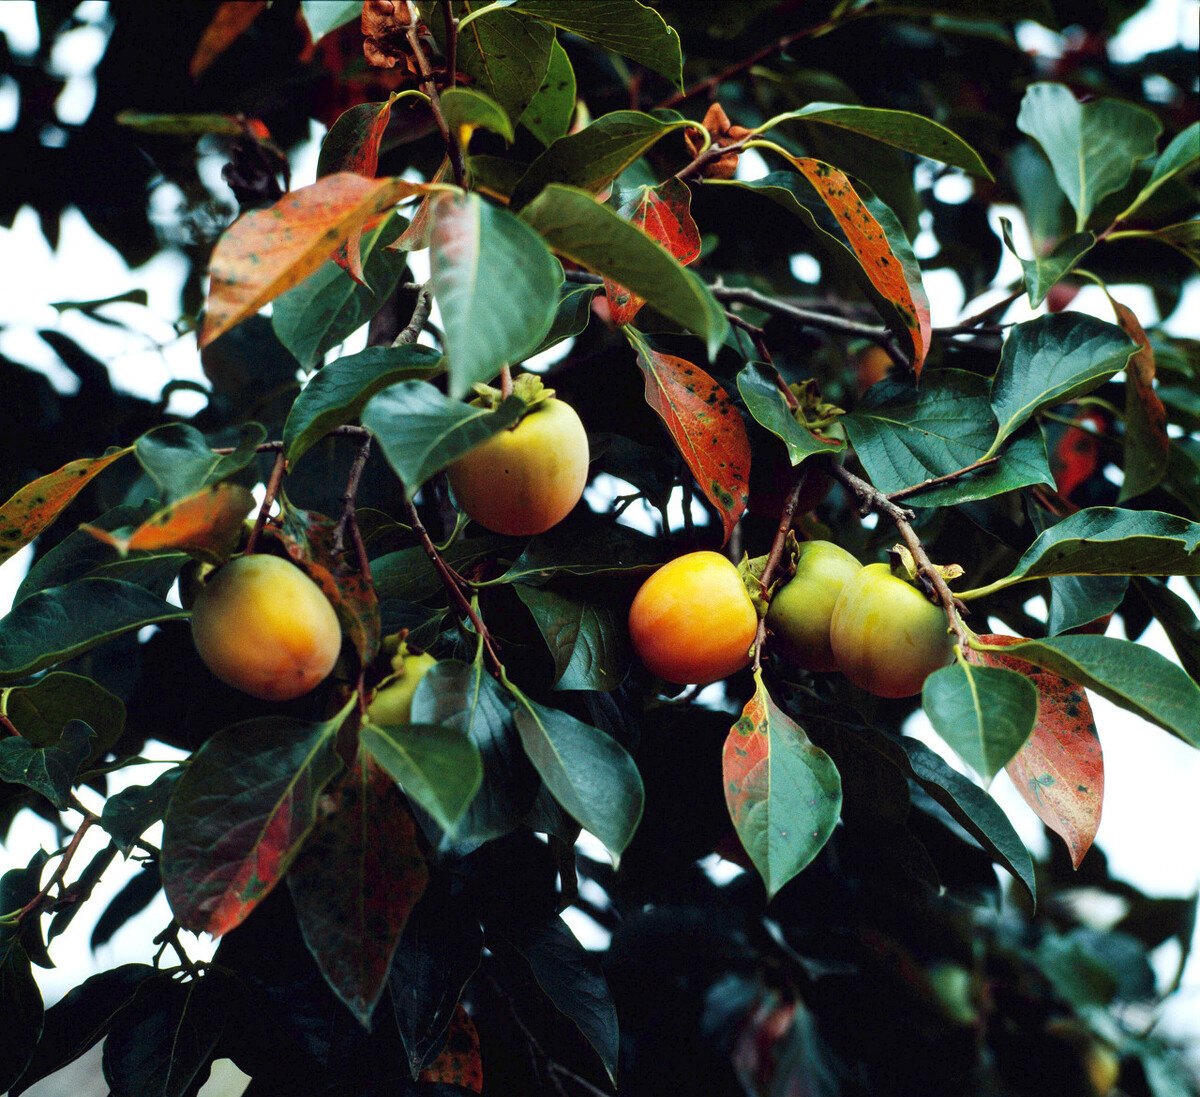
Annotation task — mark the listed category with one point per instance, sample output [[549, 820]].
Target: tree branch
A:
[[936, 481], [773, 559], [429, 84], [277, 471]]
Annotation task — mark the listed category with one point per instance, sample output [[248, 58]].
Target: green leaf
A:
[[130, 812], [20, 1006], [623, 26], [468, 110], [1178, 620], [549, 114], [338, 393], [1091, 146], [1183, 237], [178, 458], [329, 306], [586, 640], [409, 574], [1051, 360], [240, 814], [595, 237], [1127, 674], [784, 793], [596, 155], [496, 284], [904, 436], [972, 807], [1181, 154], [574, 313], [984, 713], [50, 770], [900, 128], [588, 772], [1080, 599], [439, 767], [58, 624], [766, 403], [421, 431], [41, 711], [507, 53], [325, 16], [1041, 274], [580, 546]]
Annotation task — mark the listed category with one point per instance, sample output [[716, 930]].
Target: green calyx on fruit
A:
[[801, 609], [392, 704], [815, 413], [526, 387]]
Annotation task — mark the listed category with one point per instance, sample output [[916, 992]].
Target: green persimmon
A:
[[801, 610], [262, 626], [886, 636]]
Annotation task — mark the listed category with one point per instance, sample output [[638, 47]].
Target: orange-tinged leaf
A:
[[870, 244], [419, 234], [231, 19], [459, 1063], [706, 428], [266, 252], [37, 505], [664, 213], [1060, 770], [206, 524], [1146, 442]]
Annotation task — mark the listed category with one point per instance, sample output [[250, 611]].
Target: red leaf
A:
[[35, 506], [1075, 457], [356, 881], [870, 244], [664, 213], [705, 426], [308, 539], [1060, 769], [1145, 416], [206, 524], [232, 18], [266, 252], [459, 1063]]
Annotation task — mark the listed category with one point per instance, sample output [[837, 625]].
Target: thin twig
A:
[[710, 154], [35, 904], [8, 726], [871, 498], [936, 481], [741, 295], [412, 330], [277, 471], [429, 85], [349, 520], [773, 559]]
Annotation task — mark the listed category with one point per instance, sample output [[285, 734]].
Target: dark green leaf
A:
[[623, 26], [439, 767], [507, 54], [58, 624], [18, 887], [421, 431], [972, 807], [410, 575], [587, 641], [41, 711], [588, 772], [904, 436], [900, 128], [339, 392], [240, 814], [20, 1006], [1178, 621], [49, 770], [574, 312], [130, 812], [355, 882], [466, 109], [1127, 674], [766, 403], [1080, 599], [328, 306], [581, 546], [596, 155], [549, 114], [1042, 273], [80, 1020], [578, 227], [1091, 146], [1183, 237], [138, 893], [179, 460], [984, 713], [1051, 360], [497, 286]]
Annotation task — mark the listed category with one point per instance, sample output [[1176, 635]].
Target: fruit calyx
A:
[[527, 388], [904, 566], [816, 414]]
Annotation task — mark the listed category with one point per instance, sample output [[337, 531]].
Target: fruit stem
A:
[[277, 471], [773, 559], [506, 383], [871, 498]]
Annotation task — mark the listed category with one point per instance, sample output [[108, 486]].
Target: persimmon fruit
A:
[[886, 636], [262, 626], [692, 621], [801, 609]]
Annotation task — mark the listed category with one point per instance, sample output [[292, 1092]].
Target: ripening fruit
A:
[[392, 705], [887, 637], [692, 621], [527, 478], [262, 626], [801, 610]]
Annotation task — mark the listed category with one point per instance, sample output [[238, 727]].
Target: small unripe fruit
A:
[[692, 621], [801, 610], [392, 705], [262, 626], [887, 637]]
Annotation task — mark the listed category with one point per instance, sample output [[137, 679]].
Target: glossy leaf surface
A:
[[586, 640], [1147, 445], [42, 710], [507, 54], [50, 770], [550, 111], [1042, 272], [766, 403]]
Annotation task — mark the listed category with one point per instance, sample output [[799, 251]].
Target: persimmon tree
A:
[[752, 353]]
